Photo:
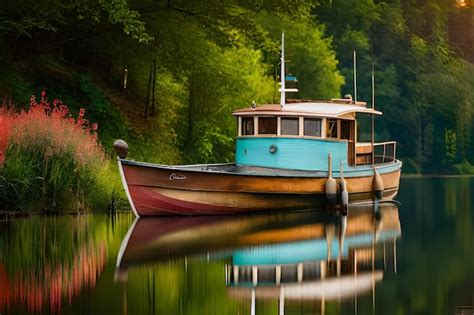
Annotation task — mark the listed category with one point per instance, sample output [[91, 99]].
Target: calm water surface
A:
[[416, 258]]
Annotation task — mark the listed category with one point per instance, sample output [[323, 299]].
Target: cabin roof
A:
[[318, 108]]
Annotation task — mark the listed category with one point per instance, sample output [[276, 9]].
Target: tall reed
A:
[[49, 160]]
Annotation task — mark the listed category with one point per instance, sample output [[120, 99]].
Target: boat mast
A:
[[355, 76], [282, 71], [373, 118]]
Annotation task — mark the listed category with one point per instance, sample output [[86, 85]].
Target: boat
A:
[[292, 257], [298, 154]]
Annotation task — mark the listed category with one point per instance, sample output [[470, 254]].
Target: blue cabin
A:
[[300, 135]]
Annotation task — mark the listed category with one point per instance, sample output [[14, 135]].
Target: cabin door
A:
[[348, 133]]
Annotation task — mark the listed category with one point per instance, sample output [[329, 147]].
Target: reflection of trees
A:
[[49, 286], [183, 286], [47, 260], [435, 255]]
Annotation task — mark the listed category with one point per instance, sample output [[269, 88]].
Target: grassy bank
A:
[[52, 162]]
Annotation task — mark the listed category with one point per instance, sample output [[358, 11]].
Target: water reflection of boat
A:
[[346, 262], [264, 249]]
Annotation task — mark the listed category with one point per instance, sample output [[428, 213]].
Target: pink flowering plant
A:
[[50, 161]]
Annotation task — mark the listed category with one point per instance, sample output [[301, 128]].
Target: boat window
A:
[[331, 130], [346, 130], [312, 127], [290, 126], [267, 125], [247, 126]]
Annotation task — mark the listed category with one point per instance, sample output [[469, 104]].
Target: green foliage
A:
[[310, 55], [119, 13], [37, 183], [422, 86], [158, 139], [29, 18], [213, 57], [100, 110], [224, 81], [16, 182], [220, 58]]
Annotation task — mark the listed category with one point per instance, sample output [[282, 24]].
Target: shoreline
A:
[[410, 176]]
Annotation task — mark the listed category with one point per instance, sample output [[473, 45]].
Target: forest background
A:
[[204, 59]]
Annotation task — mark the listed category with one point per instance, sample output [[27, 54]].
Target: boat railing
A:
[[384, 152]]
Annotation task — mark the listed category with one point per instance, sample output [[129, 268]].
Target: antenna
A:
[[355, 76], [283, 89], [282, 71], [373, 118], [373, 87]]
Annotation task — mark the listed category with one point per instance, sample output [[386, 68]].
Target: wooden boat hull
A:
[[166, 190]]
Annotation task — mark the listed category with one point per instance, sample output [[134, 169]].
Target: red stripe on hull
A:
[[150, 202]]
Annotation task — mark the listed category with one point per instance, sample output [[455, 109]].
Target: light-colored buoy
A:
[[330, 230], [331, 186], [344, 192], [377, 211], [341, 238], [377, 220], [377, 185], [121, 147]]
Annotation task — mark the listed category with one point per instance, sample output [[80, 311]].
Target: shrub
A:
[[5, 123], [50, 161]]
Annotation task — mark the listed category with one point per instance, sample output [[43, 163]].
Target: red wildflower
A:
[[50, 127], [33, 101], [6, 123]]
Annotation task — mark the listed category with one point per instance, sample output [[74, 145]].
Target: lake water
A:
[[416, 258]]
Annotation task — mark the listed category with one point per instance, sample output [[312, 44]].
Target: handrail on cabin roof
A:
[[332, 100]]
